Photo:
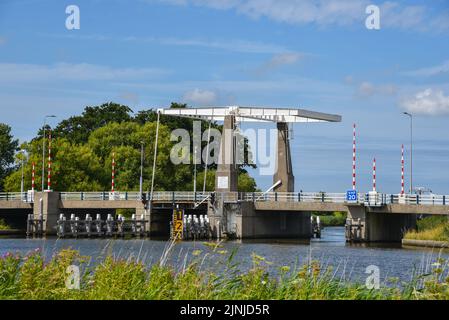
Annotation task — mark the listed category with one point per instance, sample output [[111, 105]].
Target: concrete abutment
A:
[[241, 220], [364, 224]]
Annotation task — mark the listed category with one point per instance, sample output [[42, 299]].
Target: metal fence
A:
[[198, 197], [17, 196]]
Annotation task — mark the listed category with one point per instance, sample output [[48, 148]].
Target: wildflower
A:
[[285, 268], [196, 252]]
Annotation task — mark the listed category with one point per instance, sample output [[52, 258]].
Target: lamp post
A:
[[43, 149], [411, 150], [141, 167], [194, 170], [22, 155]]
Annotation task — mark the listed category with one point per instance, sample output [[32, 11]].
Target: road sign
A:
[[351, 195], [178, 224]]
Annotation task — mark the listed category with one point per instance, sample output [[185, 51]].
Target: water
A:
[[349, 262]]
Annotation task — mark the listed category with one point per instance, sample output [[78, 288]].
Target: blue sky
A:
[[316, 55]]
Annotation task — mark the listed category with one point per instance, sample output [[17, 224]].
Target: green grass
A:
[[434, 228], [333, 219], [29, 277], [3, 225]]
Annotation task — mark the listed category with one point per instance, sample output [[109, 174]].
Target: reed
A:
[[432, 231], [31, 277]]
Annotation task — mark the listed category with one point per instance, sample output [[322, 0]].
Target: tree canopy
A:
[[83, 145], [8, 147]]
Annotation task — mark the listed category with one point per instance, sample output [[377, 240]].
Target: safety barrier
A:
[[200, 197]]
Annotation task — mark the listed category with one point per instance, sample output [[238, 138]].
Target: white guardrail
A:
[[369, 198]]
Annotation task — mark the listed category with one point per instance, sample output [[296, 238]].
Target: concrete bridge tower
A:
[[226, 179], [284, 170]]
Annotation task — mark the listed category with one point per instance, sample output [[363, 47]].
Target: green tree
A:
[[246, 183], [78, 128], [8, 147], [82, 151]]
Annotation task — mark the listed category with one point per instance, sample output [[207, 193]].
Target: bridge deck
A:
[[272, 201]]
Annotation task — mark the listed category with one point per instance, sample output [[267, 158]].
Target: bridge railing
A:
[[294, 197], [414, 199], [16, 196], [99, 196], [180, 196], [198, 197]]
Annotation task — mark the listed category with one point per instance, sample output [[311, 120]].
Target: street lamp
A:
[[411, 150], [22, 155], [141, 167], [43, 149], [194, 170]]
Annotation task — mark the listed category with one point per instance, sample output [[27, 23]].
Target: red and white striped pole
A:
[[374, 175], [402, 170], [353, 160], [33, 171], [49, 163], [113, 172]]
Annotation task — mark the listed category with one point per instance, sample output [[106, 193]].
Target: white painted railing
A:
[[198, 197]]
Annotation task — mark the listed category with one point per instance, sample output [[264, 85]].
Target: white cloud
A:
[[279, 60], [231, 45], [328, 12], [284, 58], [10, 72], [322, 12], [395, 15], [200, 97], [427, 102], [228, 45], [430, 71], [366, 89]]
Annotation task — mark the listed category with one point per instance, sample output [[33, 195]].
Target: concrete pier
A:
[[367, 225], [227, 173], [284, 171], [47, 205], [241, 220]]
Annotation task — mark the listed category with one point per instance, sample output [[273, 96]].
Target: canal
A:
[[348, 261]]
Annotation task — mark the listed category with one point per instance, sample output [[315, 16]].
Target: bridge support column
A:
[[284, 171], [47, 204], [241, 220], [227, 173], [364, 224], [145, 213]]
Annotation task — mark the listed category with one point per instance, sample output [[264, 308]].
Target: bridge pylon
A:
[[226, 179], [284, 170]]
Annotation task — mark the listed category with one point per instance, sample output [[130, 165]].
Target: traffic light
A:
[[212, 197]]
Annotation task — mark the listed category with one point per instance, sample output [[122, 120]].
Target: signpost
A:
[[178, 224], [351, 196]]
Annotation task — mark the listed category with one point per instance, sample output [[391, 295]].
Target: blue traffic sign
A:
[[351, 195]]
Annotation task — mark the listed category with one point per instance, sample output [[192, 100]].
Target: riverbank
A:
[[425, 243], [336, 219], [11, 232], [3, 225], [30, 277], [431, 229]]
